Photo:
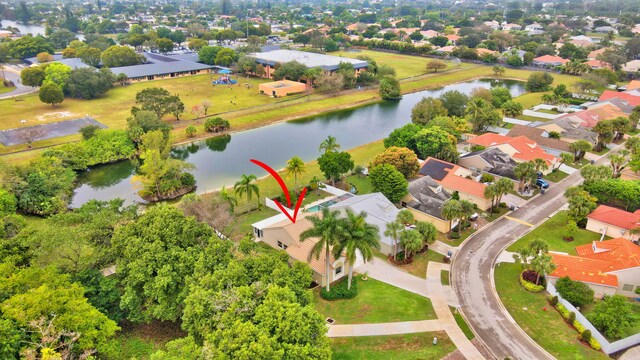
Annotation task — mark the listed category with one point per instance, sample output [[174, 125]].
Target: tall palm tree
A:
[[476, 110], [393, 231], [246, 187], [540, 164], [330, 144], [618, 162], [316, 184], [405, 217], [411, 241], [451, 210], [538, 247], [231, 200], [525, 172], [491, 192], [566, 158], [428, 232], [503, 186], [542, 265], [358, 236], [467, 208], [329, 229], [295, 167]]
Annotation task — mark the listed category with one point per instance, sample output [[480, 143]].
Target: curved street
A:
[[472, 274], [12, 73]]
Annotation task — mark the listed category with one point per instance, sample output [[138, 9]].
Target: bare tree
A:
[[206, 104], [214, 211], [29, 135], [54, 340]]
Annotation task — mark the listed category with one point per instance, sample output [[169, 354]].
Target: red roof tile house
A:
[[608, 267], [549, 60], [520, 148], [613, 222], [456, 178], [590, 117], [629, 96]]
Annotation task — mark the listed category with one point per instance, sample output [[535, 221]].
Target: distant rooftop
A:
[[308, 59]]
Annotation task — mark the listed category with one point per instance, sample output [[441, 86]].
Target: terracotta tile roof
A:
[[526, 149], [590, 117], [300, 250], [597, 64], [616, 217], [455, 182], [550, 59], [446, 49], [630, 98], [483, 51], [581, 269], [453, 37], [535, 134], [594, 54], [620, 253], [634, 84]]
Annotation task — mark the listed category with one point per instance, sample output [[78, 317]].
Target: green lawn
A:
[[417, 346], [464, 234], [420, 262], [556, 176], [372, 305], [537, 318], [4, 89], [552, 231], [362, 183], [405, 65], [529, 100], [140, 341], [444, 277], [462, 323], [531, 118]]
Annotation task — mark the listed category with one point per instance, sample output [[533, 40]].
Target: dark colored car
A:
[[542, 183]]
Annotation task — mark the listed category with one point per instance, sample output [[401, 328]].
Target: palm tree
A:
[[503, 186], [476, 109], [580, 148], [566, 158], [232, 201], [542, 265], [428, 231], [540, 164], [295, 167], [491, 192], [245, 187], [451, 210], [467, 208], [316, 184], [618, 162], [393, 231], [405, 217], [525, 172], [359, 236], [538, 247], [328, 229], [411, 241], [330, 144], [522, 256]]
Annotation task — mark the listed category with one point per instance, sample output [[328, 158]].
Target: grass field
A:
[[4, 89], [420, 262], [462, 323], [444, 277], [538, 319], [376, 302], [552, 231], [362, 183], [407, 347], [406, 65]]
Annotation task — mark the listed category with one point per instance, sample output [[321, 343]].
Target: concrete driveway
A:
[[13, 74]]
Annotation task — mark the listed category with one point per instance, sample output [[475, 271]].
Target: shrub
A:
[[529, 286], [190, 131], [595, 345], [572, 317], [563, 310], [554, 300], [575, 292], [339, 290], [577, 325], [586, 335], [477, 148], [487, 178], [216, 124]]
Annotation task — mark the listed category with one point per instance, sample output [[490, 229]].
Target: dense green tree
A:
[[32, 76], [389, 181], [334, 164], [500, 95], [455, 102], [291, 70], [29, 46], [226, 57], [539, 82], [612, 315], [427, 109], [158, 100], [482, 114], [90, 56], [105, 146], [581, 204], [403, 136], [433, 142], [390, 88], [403, 159], [207, 54], [61, 38], [164, 45], [216, 124], [144, 121], [57, 73], [88, 83], [411, 241], [155, 255], [117, 55], [575, 292], [51, 94], [580, 148], [525, 173], [512, 108]]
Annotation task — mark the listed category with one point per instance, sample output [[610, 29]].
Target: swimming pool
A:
[[328, 203]]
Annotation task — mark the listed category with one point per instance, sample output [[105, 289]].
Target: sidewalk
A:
[[406, 327]]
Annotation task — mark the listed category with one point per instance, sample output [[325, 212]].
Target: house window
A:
[[627, 287], [339, 270], [258, 232], [282, 246]]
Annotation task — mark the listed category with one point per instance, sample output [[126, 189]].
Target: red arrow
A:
[[284, 188]]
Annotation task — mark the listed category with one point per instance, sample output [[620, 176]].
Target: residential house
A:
[[430, 33], [425, 200], [282, 234], [534, 29], [541, 137], [590, 117], [328, 63], [631, 67], [621, 104], [631, 97], [593, 55], [455, 178], [613, 222], [494, 25], [633, 85], [636, 29], [521, 148], [482, 52], [549, 60], [380, 211], [453, 38], [492, 160], [445, 49], [605, 30], [608, 267], [598, 64], [509, 27], [569, 129]]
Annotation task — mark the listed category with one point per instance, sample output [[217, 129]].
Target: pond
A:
[[28, 28], [222, 160]]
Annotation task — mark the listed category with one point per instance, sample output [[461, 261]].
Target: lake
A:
[[220, 161], [28, 28]]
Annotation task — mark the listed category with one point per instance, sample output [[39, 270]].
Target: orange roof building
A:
[[613, 222], [520, 148], [549, 60], [598, 64], [633, 85], [608, 267], [590, 117]]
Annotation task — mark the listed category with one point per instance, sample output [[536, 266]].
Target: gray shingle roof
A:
[[500, 163], [308, 59], [160, 65], [429, 195]]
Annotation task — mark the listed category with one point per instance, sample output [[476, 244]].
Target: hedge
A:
[[595, 345], [530, 286], [339, 290]]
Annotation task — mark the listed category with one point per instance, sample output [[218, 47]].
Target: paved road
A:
[[11, 74], [472, 272]]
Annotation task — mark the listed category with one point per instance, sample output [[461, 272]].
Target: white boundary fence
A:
[[607, 347]]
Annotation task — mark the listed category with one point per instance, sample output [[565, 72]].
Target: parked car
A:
[[473, 217], [542, 183]]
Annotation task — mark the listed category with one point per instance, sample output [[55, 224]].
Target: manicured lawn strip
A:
[[462, 323], [529, 100], [444, 277], [362, 183], [556, 176], [552, 231], [420, 261], [418, 346], [405, 65], [464, 234], [531, 118], [377, 302], [546, 327]]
